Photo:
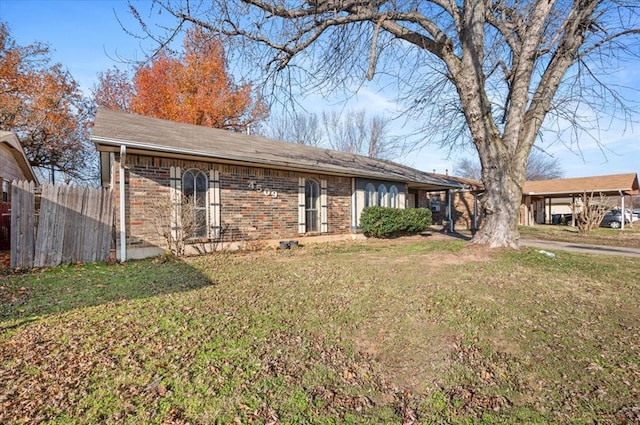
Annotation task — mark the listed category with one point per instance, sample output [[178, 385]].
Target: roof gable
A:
[[11, 141], [162, 137]]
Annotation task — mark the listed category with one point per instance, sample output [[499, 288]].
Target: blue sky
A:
[[86, 37]]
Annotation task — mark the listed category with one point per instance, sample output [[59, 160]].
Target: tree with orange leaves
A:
[[114, 90], [46, 109], [193, 87]]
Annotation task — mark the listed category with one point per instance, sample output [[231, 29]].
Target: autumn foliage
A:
[[193, 87], [45, 107]]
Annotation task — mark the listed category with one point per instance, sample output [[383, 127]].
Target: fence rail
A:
[[72, 224]]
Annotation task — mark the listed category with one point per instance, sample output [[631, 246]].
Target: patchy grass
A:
[[629, 237], [394, 331], [63, 288]]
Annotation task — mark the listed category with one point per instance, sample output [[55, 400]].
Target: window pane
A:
[[188, 183], [382, 195], [312, 221], [194, 188], [393, 197], [201, 223], [201, 182], [312, 207], [201, 193], [370, 195]]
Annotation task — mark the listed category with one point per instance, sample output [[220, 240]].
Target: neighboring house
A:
[[14, 165], [545, 199], [244, 187]]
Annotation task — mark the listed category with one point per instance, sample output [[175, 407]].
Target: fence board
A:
[[50, 234], [71, 245], [75, 224], [106, 217], [22, 224], [91, 225]]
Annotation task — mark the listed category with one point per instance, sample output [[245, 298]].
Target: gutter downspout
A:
[[451, 192], [354, 206], [123, 225]]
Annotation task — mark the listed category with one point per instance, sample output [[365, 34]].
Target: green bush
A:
[[382, 222]]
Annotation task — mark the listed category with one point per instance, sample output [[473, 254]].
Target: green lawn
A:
[[395, 331], [629, 237]]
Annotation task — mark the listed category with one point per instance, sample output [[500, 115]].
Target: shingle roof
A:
[[116, 128], [471, 184], [611, 184]]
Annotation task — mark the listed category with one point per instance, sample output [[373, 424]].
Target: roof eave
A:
[[576, 192], [143, 148]]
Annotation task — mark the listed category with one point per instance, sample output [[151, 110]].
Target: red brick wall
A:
[[246, 214], [463, 208], [421, 199]]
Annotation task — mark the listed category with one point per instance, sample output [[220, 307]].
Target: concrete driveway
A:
[[578, 247]]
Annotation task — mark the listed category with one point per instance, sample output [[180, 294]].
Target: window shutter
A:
[[324, 216], [301, 207], [214, 204], [175, 194]]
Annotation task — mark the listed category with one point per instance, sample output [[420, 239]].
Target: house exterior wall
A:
[[359, 198], [463, 205], [245, 213], [422, 200], [9, 171]]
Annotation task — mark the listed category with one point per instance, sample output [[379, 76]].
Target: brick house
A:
[[14, 165], [244, 188]]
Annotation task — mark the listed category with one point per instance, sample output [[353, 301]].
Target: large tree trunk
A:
[[504, 164], [501, 207]]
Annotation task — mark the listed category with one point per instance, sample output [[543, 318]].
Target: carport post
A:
[[624, 215]]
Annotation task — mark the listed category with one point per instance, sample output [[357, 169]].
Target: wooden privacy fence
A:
[[73, 224]]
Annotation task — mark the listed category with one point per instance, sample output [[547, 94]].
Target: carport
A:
[[540, 199]]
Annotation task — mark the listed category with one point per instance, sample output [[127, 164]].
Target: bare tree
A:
[[489, 71], [351, 131], [300, 128], [588, 211], [380, 146], [164, 213], [345, 134], [468, 168], [356, 132], [540, 166]]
